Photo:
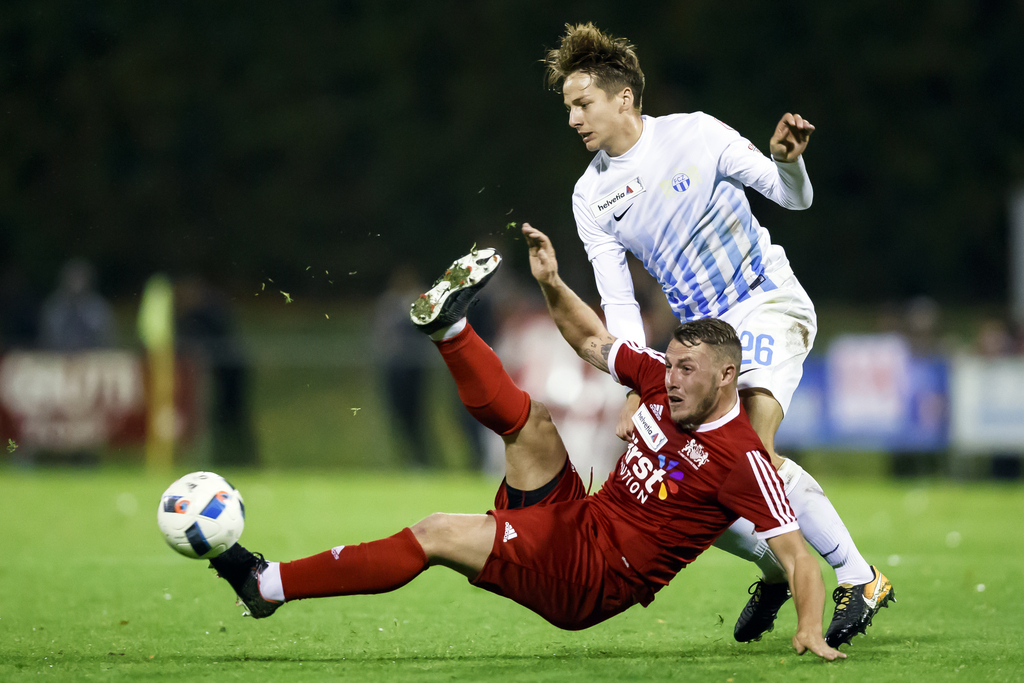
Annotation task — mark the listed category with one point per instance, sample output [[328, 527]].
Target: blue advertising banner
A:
[[869, 393]]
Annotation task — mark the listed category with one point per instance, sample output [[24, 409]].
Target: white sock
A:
[[741, 541], [270, 584], [446, 333], [822, 526]]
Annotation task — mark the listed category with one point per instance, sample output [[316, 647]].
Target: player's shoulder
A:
[[673, 124], [590, 176], [642, 352], [630, 362]]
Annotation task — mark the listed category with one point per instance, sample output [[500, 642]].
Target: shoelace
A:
[[263, 564]]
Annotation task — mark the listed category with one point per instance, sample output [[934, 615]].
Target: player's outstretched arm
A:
[[808, 593], [790, 138], [577, 322]]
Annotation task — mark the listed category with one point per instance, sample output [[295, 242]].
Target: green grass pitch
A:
[[89, 591]]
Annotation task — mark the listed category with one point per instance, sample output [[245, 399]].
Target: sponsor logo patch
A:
[[510, 533], [648, 428], [656, 409], [648, 475], [618, 198]]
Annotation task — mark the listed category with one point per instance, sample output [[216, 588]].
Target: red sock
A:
[[364, 569], [486, 390]]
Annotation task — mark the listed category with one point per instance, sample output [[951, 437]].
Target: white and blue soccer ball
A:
[[201, 515]]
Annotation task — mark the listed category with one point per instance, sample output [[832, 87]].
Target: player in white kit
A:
[[670, 191]]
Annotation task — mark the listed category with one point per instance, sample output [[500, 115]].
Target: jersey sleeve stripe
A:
[[772, 493], [776, 487]]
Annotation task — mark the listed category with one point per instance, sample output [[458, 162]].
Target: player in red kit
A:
[[693, 467]]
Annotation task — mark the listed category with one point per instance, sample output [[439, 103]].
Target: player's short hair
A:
[[611, 61], [717, 334]]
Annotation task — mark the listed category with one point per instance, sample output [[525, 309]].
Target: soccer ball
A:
[[201, 515]]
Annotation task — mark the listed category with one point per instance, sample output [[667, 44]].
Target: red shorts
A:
[[545, 558]]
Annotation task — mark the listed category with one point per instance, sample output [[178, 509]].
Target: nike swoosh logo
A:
[[747, 370], [619, 217]]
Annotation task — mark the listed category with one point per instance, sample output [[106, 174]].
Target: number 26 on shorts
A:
[[756, 349]]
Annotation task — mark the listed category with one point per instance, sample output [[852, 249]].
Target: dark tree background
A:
[[247, 140]]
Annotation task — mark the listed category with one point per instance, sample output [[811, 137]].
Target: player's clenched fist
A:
[[542, 255], [790, 138]]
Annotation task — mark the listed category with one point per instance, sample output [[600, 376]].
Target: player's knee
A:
[[540, 416], [434, 533], [538, 422]]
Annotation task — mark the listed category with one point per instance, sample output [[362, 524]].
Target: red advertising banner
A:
[[86, 400]]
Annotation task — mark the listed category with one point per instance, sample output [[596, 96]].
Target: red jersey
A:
[[675, 491]]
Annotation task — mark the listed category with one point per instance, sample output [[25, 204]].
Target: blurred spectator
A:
[[75, 317], [994, 339], [921, 324], [403, 357], [19, 311], [206, 335]]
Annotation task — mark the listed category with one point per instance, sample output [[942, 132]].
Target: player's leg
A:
[[776, 338], [765, 415], [863, 590], [461, 542], [776, 334], [534, 452], [819, 521]]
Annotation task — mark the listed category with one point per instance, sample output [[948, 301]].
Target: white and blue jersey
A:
[[675, 200]]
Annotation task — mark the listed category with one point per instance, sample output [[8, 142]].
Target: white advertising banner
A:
[[987, 404], [868, 383]]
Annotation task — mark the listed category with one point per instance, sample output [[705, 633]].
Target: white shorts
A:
[[776, 331]]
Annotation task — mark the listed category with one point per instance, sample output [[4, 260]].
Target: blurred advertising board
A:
[[85, 400], [870, 393], [988, 404]]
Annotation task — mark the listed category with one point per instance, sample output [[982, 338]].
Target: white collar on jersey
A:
[[708, 426]]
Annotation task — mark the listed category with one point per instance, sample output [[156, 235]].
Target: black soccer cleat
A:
[[758, 615], [242, 569], [856, 606], [447, 301]]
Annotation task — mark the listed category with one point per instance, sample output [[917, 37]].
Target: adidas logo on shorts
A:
[[510, 533]]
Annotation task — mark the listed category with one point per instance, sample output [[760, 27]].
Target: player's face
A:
[[692, 376], [593, 113]]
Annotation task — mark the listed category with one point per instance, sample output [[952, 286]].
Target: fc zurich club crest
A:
[[680, 181]]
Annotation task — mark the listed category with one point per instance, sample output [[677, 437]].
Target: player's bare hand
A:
[[542, 254], [790, 138], [813, 642], [624, 429]]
